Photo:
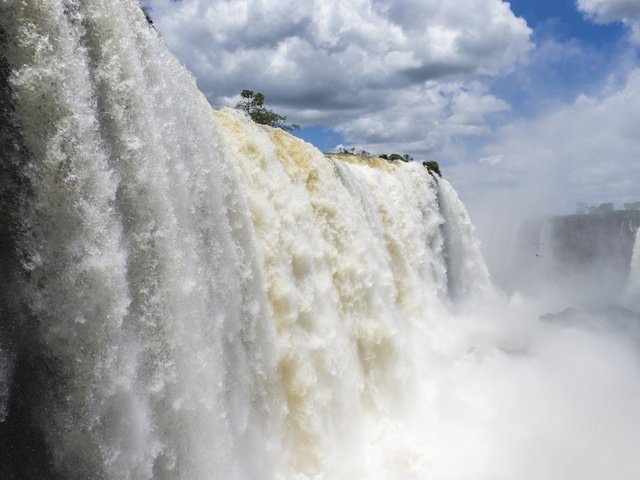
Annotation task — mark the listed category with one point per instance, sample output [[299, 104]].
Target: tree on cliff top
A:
[[253, 104]]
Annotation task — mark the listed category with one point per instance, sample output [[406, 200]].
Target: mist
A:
[[547, 380]]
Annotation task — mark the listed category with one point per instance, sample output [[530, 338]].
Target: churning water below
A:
[[188, 295]]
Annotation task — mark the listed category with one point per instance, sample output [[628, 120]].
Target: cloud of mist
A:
[[510, 395]]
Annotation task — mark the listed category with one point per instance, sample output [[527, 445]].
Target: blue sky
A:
[[563, 78], [569, 22], [531, 104]]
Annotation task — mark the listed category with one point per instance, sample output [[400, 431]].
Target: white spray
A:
[[204, 290]]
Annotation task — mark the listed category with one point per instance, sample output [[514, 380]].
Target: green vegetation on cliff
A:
[[253, 105], [433, 167]]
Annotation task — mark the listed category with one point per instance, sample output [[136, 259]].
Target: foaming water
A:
[[189, 295]]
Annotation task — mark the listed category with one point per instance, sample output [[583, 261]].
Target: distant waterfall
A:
[[633, 283], [188, 295], [579, 258]]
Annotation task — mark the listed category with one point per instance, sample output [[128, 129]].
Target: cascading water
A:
[[188, 295], [196, 289], [632, 292], [468, 275], [133, 249], [576, 253]]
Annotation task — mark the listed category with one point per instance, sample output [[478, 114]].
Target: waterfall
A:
[[189, 295], [575, 254], [187, 292], [632, 292], [468, 276], [134, 250]]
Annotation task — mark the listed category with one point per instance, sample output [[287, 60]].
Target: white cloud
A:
[[491, 159], [378, 70], [426, 120], [587, 151], [606, 11]]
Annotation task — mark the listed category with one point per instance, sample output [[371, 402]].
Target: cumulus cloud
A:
[[369, 68], [588, 151], [606, 11], [426, 120]]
